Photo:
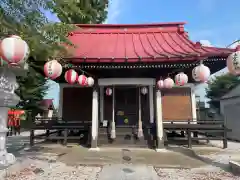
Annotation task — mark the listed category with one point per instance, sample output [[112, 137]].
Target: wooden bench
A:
[[59, 128], [217, 129]]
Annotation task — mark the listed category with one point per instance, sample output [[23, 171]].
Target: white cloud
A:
[[114, 10]]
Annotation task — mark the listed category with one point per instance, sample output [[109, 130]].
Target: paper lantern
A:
[[144, 90], [233, 63], [201, 73], [168, 83], [195, 74], [82, 80], [14, 50], [53, 69], [181, 79], [90, 81], [108, 91], [160, 84], [71, 76]]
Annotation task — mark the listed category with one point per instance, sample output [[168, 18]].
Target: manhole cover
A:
[[38, 171], [127, 158], [127, 170], [126, 154]]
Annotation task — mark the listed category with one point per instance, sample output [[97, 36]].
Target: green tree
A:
[[80, 12], [45, 39], [219, 86]]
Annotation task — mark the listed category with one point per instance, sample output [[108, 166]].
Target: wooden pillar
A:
[[140, 130], [159, 121], [113, 129], [193, 102], [94, 119]]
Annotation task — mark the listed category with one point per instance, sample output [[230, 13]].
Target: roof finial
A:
[[237, 48]]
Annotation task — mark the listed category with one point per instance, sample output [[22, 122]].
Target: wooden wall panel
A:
[[176, 104], [77, 104]]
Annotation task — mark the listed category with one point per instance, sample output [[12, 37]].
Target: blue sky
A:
[[214, 20]]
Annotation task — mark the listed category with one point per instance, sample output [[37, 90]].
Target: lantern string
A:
[[195, 62], [66, 65]]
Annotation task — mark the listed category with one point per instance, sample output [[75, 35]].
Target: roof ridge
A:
[[130, 25]]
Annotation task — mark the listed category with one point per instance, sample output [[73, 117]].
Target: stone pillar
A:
[[151, 106], [159, 121], [94, 119], [7, 98]]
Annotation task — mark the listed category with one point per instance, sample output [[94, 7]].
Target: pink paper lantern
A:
[[160, 84], [71, 76], [90, 81], [52, 69], [181, 79], [233, 63], [14, 50], [82, 80], [201, 73], [168, 83], [108, 91]]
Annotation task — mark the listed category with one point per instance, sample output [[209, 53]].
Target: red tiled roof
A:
[[138, 43]]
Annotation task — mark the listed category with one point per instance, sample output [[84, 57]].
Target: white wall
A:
[[230, 109]]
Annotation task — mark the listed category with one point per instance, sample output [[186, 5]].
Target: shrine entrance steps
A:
[[125, 137]]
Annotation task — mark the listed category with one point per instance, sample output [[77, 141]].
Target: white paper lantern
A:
[[90, 81], [71, 76], [108, 91], [201, 73], [160, 84], [144, 90], [53, 69], [82, 80], [233, 63], [181, 79], [168, 83], [14, 50], [195, 74]]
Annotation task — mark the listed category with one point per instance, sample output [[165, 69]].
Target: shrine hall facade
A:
[[128, 59]]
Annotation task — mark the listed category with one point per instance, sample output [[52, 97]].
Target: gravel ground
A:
[[206, 173], [42, 170]]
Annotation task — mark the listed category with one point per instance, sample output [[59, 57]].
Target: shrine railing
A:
[[59, 129], [201, 130]]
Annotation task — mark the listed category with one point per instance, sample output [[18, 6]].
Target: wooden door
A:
[[126, 106]]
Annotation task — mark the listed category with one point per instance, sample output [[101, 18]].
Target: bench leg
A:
[[32, 138], [47, 134], [189, 138], [59, 133], [65, 137], [225, 145]]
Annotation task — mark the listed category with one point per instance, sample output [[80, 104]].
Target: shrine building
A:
[[126, 63]]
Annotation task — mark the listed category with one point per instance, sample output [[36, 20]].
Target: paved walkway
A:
[[128, 172]]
